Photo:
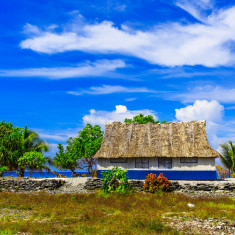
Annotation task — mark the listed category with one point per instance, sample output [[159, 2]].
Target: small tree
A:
[[228, 156], [86, 145], [31, 161], [66, 159], [80, 150]]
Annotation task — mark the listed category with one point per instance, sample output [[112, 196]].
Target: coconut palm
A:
[[32, 141], [227, 156]]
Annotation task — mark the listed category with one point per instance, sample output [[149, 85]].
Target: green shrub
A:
[[115, 180], [3, 169]]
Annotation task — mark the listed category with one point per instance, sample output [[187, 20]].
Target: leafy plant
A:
[[32, 161], [14, 142], [153, 183], [32, 142], [80, 150], [228, 156], [11, 147], [66, 159], [140, 118], [115, 180], [3, 169]]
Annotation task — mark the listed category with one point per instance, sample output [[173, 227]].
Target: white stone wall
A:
[[207, 164]]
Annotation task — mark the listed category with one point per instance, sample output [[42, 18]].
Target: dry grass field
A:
[[96, 213]]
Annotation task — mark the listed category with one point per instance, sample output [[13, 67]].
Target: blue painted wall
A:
[[171, 175]]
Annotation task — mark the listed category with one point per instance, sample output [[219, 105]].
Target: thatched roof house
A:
[[172, 146]]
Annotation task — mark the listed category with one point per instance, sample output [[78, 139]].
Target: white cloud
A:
[[119, 114], [98, 68], [196, 7], [221, 94], [58, 135], [201, 110], [170, 44], [212, 112], [107, 89]]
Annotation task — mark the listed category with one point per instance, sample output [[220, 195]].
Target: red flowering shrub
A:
[[153, 183]]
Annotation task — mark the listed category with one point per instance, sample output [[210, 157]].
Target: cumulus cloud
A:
[[201, 110], [107, 89], [212, 112], [221, 94], [169, 44], [119, 114], [98, 68]]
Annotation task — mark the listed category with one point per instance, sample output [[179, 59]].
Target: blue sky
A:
[[66, 63]]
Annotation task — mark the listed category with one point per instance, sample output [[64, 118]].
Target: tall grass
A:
[[139, 213]]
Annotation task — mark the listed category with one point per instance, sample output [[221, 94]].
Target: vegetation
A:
[[3, 169], [66, 160], [33, 142], [14, 143], [10, 145], [115, 180], [139, 213], [153, 183], [80, 150], [222, 172], [31, 161], [142, 119], [228, 156]]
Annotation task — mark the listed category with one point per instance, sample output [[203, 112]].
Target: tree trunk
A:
[[21, 172], [73, 173]]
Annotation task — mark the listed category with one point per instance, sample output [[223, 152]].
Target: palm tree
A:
[[228, 156], [31, 141]]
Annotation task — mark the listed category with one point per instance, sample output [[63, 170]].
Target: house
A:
[[179, 150]]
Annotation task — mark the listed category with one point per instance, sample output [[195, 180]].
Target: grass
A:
[[96, 213]]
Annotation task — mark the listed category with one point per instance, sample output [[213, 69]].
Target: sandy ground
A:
[[72, 185]]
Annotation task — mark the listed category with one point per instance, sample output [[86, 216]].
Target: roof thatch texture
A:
[[182, 139]]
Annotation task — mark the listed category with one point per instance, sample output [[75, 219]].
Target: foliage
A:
[[80, 150], [140, 118], [228, 156], [153, 183], [115, 180], [32, 141], [32, 161], [66, 159], [14, 142], [3, 169], [222, 172], [11, 147]]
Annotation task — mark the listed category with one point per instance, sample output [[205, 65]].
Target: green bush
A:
[[115, 180], [3, 169]]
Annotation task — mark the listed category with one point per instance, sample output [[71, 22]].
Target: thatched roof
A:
[[174, 139]]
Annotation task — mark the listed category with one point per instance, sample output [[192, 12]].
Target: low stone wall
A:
[[24, 184], [95, 183]]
